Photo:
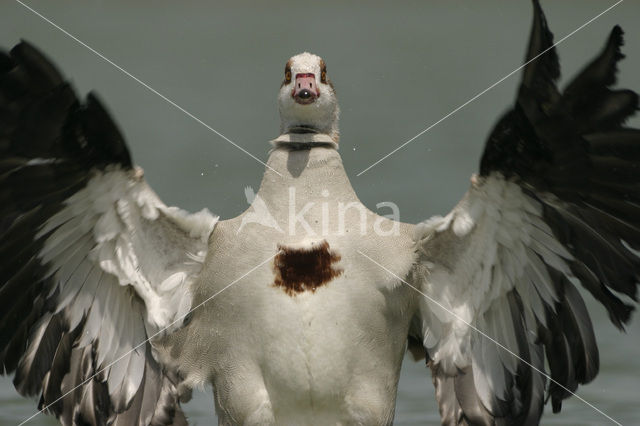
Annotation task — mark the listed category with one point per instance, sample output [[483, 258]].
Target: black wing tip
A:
[[616, 42], [542, 41], [105, 129], [617, 36], [622, 316], [39, 95], [22, 46], [601, 72], [537, 9], [587, 105], [25, 50], [5, 61], [37, 63]]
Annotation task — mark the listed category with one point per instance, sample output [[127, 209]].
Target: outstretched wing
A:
[[557, 203], [92, 263]]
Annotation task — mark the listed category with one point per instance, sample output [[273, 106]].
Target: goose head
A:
[[307, 100]]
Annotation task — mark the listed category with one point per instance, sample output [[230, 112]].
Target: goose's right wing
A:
[[92, 263]]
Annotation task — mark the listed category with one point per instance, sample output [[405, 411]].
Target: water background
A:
[[397, 67]]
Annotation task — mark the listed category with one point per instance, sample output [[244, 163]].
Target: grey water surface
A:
[[398, 67]]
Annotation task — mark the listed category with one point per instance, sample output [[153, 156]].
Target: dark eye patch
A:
[[323, 72], [287, 73]]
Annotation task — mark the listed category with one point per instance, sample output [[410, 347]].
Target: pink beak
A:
[[305, 90]]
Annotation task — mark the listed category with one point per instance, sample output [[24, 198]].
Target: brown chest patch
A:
[[301, 269]]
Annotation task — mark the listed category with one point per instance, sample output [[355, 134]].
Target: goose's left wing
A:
[[92, 263], [556, 204]]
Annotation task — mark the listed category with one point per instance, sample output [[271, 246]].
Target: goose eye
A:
[[287, 76], [323, 72]]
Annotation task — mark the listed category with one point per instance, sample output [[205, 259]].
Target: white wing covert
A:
[[92, 262], [556, 204]]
